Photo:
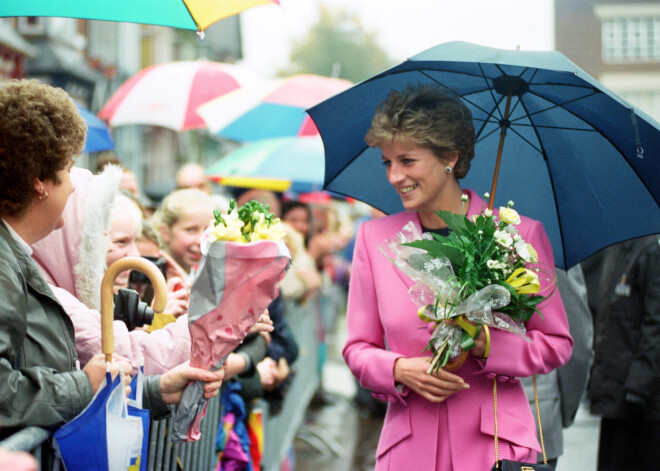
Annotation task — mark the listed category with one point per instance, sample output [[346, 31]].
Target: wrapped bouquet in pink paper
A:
[[243, 260]]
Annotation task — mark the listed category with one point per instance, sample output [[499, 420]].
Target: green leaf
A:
[[218, 217], [434, 249], [457, 222]]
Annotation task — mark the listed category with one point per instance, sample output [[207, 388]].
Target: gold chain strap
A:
[[497, 448], [538, 416]]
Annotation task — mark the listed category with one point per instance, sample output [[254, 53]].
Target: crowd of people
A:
[[62, 226]]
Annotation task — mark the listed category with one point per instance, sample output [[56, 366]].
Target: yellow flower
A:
[[510, 216], [276, 231], [533, 255], [524, 281]]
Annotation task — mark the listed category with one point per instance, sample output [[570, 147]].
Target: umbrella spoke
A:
[[490, 133], [559, 105], [540, 126], [533, 146]]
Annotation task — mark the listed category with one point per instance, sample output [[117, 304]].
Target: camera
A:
[[141, 283], [130, 310]]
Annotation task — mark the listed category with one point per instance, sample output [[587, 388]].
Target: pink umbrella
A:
[[276, 109], [168, 94]]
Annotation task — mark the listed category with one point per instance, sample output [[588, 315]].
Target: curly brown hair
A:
[[429, 116], [41, 131]]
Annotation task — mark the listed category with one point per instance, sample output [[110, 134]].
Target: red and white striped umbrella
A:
[[168, 94]]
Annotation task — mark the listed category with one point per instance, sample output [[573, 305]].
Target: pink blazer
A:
[[458, 433]]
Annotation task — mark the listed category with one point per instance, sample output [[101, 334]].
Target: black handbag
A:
[[508, 465]]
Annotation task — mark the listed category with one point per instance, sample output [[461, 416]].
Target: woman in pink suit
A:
[[441, 421]]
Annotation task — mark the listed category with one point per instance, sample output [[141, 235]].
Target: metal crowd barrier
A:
[[279, 429]]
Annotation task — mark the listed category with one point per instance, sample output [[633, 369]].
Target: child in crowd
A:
[[181, 220]]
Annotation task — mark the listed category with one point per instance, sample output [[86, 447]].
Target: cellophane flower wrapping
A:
[[243, 261], [479, 273]]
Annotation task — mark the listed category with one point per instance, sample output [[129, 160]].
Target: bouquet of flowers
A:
[[479, 273], [243, 260]]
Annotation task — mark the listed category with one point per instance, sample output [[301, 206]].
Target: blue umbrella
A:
[[98, 134], [576, 156]]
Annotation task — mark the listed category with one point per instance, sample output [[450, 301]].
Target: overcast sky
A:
[[403, 27]]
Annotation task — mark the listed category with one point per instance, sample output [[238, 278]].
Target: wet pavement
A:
[[341, 432]]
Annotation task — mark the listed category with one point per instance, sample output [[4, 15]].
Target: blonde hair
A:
[[175, 204]]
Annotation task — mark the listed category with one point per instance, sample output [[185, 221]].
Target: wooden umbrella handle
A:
[[107, 298], [500, 147]]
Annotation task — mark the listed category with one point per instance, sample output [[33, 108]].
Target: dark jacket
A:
[[39, 383], [626, 368]]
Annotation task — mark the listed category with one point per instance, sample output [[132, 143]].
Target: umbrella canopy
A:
[[98, 134], [576, 156], [277, 164], [276, 109], [185, 14], [168, 94]]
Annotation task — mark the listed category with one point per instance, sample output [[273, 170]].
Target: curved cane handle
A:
[[107, 300]]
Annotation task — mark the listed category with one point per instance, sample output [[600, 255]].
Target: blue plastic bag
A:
[[103, 436]]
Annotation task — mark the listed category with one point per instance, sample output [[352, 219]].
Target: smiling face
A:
[[182, 238], [418, 176]]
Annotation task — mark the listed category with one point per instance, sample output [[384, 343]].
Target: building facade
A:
[[92, 59], [617, 42]]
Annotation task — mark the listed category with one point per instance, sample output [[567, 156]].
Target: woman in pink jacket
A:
[[441, 421]]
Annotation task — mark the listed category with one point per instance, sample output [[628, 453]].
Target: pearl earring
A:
[[448, 169]]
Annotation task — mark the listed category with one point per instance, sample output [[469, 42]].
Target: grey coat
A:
[[39, 383], [560, 391]]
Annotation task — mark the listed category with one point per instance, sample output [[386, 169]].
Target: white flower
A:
[[464, 197], [503, 238], [511, 229], [496, 265], [526, 251], [486, 195], [488, 212]]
